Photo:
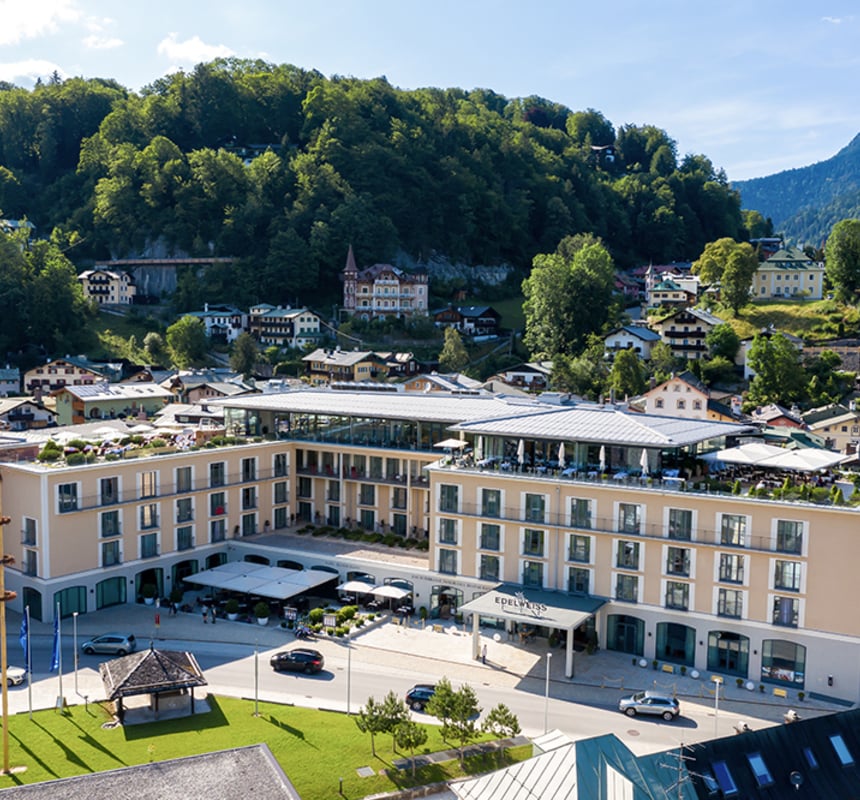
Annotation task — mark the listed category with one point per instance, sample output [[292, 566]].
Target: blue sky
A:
[[757, 86]]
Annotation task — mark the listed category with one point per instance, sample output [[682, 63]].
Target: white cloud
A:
[[25, 73], [96, 42], [191, 51], [34, 18], [833, 20]]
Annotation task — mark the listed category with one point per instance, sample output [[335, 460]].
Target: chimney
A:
[[652, 382]]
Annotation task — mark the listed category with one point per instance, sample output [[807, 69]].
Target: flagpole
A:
[[59, 644], [29, 664]]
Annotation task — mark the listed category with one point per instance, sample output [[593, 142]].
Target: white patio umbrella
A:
[[355, 587], [387, 590], [521, 451], [643, 461], [451, 444], [602, 458], [561, 455]]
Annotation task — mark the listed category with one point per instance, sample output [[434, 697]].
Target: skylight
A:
[[760, 770], [724, 778], [842, 751], [810, 757]]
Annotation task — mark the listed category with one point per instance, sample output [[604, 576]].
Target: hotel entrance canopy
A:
[[533, 607]]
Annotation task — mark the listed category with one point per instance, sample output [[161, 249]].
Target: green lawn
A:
[[315, 748], [811, 319]]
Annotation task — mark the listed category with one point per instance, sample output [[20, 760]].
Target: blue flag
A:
[[55, 653], [24, 639]]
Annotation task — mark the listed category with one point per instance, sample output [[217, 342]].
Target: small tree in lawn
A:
[[462, 728], [502, 723], [371, 719], [441, 705], [394, 712], [410, 735]]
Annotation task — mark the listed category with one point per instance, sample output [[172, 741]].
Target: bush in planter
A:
[[346, 613], [683, 669], [148, 591], [359, 623], [176, 595], [801, 695], [422, 612], [739, 682], [315, 616], [231, 606], [262, 610]]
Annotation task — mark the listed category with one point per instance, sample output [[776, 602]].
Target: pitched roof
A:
[[639, 331], [96, 392], [150, 671]]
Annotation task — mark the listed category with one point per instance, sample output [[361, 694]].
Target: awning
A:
[[387, 590], [806, 459], [533, 607], [451, 444], [246, 577], [750, 453], [356, 587]]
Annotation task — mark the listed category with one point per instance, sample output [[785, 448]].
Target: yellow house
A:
[[789, 273]]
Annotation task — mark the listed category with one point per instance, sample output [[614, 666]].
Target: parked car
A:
[[653, 703], [15, 675], [299, 659], [117, 644], [419, 695]]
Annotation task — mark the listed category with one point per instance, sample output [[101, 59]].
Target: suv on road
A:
[[653, 703], [299, 659], [117, 644], [419, 695]]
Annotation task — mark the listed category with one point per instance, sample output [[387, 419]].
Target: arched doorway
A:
[[728, 652], [33, 598], [285, 563], [71, 600], [625, 634], [215, 560], [181, 571], [153, 575], [444, 601], [253, 558], [676, 642], [110, 592]]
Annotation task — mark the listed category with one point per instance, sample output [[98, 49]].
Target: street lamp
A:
[[546, 696], [348, 669], [717, 683], [75, 640]]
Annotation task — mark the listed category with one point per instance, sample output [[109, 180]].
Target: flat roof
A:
[[533, 607], [246, 577]]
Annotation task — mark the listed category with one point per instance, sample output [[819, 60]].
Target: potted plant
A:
[[261, 612], [148, 592], [231, 609], [801, 695]]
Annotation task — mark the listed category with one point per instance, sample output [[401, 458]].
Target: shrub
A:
[[316, 615], [231, 606], [390, 539], [158, 443], [74, 459], [359, 623], [262, 610], [340, 630], [176, 595], [148, 590]]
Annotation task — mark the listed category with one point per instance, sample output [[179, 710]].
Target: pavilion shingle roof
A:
[[150, 671]]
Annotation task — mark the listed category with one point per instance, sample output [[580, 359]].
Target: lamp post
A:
[[546, 695], [717, 683], [348, 670], [75, 644]]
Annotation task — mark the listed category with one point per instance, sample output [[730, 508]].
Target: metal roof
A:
[[602, 425]]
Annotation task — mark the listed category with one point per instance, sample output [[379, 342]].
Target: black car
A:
[[300, 659], [419, 695]]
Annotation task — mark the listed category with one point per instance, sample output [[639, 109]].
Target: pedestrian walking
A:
[[205, 615], [484, 654], [213, 614]]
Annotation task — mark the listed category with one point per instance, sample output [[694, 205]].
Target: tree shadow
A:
[[288, 729], [88, 739], [25, 749]]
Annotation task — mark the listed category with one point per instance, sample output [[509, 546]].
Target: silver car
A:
[[116, 644], [15, 675], [652, 703]]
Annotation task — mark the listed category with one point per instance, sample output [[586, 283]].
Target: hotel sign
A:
[[520, 603]]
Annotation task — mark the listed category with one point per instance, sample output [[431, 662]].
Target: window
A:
[[448, 561], [628, 518], [760, 770], [789, 536], [367, 519], [31, 563], [217, 530], [449, 498], [783, 662], [733, 529], [217, 504], [533, 542], [842, 751], [367, 494], [28, 534], [809, 755], [658, 403], [680, 524], [111, 553], [533, 575], [109, 491], [304, 488], [281, 495], [786, 611], [628, 555], [677, 595], [580, 548], [281, 519], [148, 484], [731, 568], [627, 588], [249, 524], [149, 516], [217, 474], [68, 497], [491, 503], [280, 466], [398, 498], [184, 537], [678, 561], [724, 779], [787, 575], [249, 497], [183, 479], [110, 524], [184, 510], [149, 545], [580, 513], [535, 507], [578, 580], [249, 469], [448, 531], [682, 404], [489, 569], [730, 603], [490, 536]]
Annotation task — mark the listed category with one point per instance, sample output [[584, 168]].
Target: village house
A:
[[684, 396], [789, 273], [224, 322], [24, 414], [685, 330], [284, 326], [324, 367], [79, 404], [838, 424], [61, 372], [108, 286], [637, 338], [383, 291]]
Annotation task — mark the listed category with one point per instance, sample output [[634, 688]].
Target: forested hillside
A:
[[804, 204], [284, 168]]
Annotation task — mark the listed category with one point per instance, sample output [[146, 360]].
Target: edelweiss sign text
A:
[[520, 603]]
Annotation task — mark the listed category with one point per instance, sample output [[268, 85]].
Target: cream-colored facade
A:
[[744, 587]]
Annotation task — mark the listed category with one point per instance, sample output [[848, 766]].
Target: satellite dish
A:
[[795, 779]]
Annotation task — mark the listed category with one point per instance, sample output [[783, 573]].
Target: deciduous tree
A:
[[371, 719], [409, 735], [842, 254], [778, 375], [245, 354], [454, 357], [502, 723], [186, 339]]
